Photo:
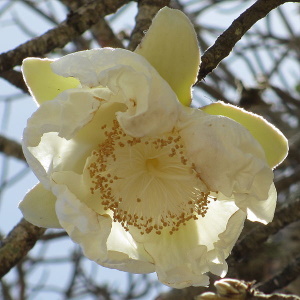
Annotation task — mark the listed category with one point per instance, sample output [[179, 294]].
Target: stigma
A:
[[147, 182]]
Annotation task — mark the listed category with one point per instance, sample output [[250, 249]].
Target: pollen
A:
[[147, 182]]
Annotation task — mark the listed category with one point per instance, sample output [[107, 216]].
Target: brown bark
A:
[[76, 23], [16, 245], [11, 148]]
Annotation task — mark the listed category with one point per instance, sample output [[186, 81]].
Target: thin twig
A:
[[76, 23], [227, 40]]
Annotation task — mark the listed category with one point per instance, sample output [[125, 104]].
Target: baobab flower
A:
[[142, 182]]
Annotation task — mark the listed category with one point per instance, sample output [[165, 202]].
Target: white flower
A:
[[141, 182]]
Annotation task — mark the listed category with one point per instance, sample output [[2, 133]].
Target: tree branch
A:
[[76, 23], [253, 240], [282, 279], [227, 40], [11, 148], [101, 31], [16, 79], [16, 245], [105, 36]]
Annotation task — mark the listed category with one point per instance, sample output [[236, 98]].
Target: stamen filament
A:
[[147, 182]]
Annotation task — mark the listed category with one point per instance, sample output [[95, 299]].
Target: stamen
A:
[[147, 182]]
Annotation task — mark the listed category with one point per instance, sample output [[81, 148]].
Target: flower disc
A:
[[147, 182]]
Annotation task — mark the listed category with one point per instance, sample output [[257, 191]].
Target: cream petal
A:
[[90, 66], [38, 207], [181, 259], [228, 238], [260, 210], [129, 255], [42, 82], [178, 64], [215, 222], [181, 277], [271, 139], [223, 247], [69, 112], [46, 142], [226, 155], [102, 241], [83, 225], [79, 186], [149, 99], [46, 157]]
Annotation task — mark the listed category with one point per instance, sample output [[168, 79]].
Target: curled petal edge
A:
[[92, 232], [42, 82], [271, 139]]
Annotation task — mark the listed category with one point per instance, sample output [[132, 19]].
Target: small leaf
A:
[[43, 83], [271, 139], [171, 46]]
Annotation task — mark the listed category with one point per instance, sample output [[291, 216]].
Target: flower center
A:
[[147, 182], [152, 164]]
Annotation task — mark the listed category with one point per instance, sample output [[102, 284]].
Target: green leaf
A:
[[171, 46], [271, 139]]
